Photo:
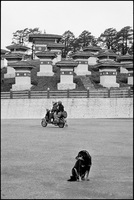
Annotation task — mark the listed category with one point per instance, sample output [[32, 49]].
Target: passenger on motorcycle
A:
[[53, 110], [60, 110]]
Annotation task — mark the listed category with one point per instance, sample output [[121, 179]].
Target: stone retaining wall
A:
[[76, 108]]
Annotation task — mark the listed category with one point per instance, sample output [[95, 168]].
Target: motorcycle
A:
[[59, 121]]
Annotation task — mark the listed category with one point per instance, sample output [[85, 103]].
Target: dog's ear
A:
[[79, 155]]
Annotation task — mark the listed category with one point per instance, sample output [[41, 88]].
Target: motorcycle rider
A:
[[60, 110], [54, 110], [60, 107]]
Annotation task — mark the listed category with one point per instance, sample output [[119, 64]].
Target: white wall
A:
[[76, 108]]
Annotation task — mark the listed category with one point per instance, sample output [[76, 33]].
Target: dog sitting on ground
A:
[[81, 169]]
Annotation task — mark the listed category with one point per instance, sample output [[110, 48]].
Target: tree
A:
[[94, 41], [108, 37], [130, 49], [21, 36], [85, 38], [67, 39], [75, 45], [125, 38]]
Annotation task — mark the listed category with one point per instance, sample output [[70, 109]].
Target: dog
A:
[[81, 169]]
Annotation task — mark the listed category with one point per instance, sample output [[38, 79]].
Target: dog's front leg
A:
[[79, 178], [77, 174], [86, 176]]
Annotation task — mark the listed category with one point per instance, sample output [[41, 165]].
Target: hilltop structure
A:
[[46, 68], [16, 54], [125, 60], [93, 50], [22, 75], [82, 59], [47, 50], [66, 74], [108, 73], [47, 42], [129, 67]]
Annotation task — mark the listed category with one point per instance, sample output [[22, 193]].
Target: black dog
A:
[[82, 166]]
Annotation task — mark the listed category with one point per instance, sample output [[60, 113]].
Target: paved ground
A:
[[36, 162]]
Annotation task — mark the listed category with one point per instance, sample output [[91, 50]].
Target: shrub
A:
[[79, 84]]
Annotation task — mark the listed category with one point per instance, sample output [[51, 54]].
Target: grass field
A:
[[36, 162]]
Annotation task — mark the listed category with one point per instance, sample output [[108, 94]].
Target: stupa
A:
[[108, 73], [66, 74], [93, 50], [124, 60], [17, 52], [105, 54], [82, 59], [22, 75], [57, 49], [18, 48], [47, 42], [129, 68], [46, 67]]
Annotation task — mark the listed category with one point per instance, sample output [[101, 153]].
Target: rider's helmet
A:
[[59, 102]]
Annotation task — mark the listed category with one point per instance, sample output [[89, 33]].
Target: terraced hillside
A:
[[42, 83]]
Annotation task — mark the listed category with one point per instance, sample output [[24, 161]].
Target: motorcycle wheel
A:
[[61, 125], [43, 123]]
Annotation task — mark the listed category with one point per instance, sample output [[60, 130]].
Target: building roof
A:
[[127, 56], [3, 51], [67, 63], [22, 64], [81, 54], [44, 36], [17, 46], [106, 52], [46, 54], [91, 48], [55, 45], [107, 64], [128, 66], [13, 55]]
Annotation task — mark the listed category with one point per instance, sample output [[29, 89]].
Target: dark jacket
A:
[[55, 107], [60, 108]]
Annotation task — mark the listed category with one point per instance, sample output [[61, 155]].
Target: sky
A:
[[56, 17]]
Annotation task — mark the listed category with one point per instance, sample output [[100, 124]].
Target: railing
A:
[[108, 93]]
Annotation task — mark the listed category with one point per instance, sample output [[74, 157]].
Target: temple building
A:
[[129, 68], [17, 53], [66, 74], [47, 42], [124, 60], [22, 75], [3, 52], [11, 58], [105, 54], [81, 58], [93, 50], [46, 67], [57, 49], [108, 72], [18, 48]]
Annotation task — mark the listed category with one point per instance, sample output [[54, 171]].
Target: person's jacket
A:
[[60, 108], [55, 107]]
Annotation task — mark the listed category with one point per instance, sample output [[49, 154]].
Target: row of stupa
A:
[[47, 49]]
